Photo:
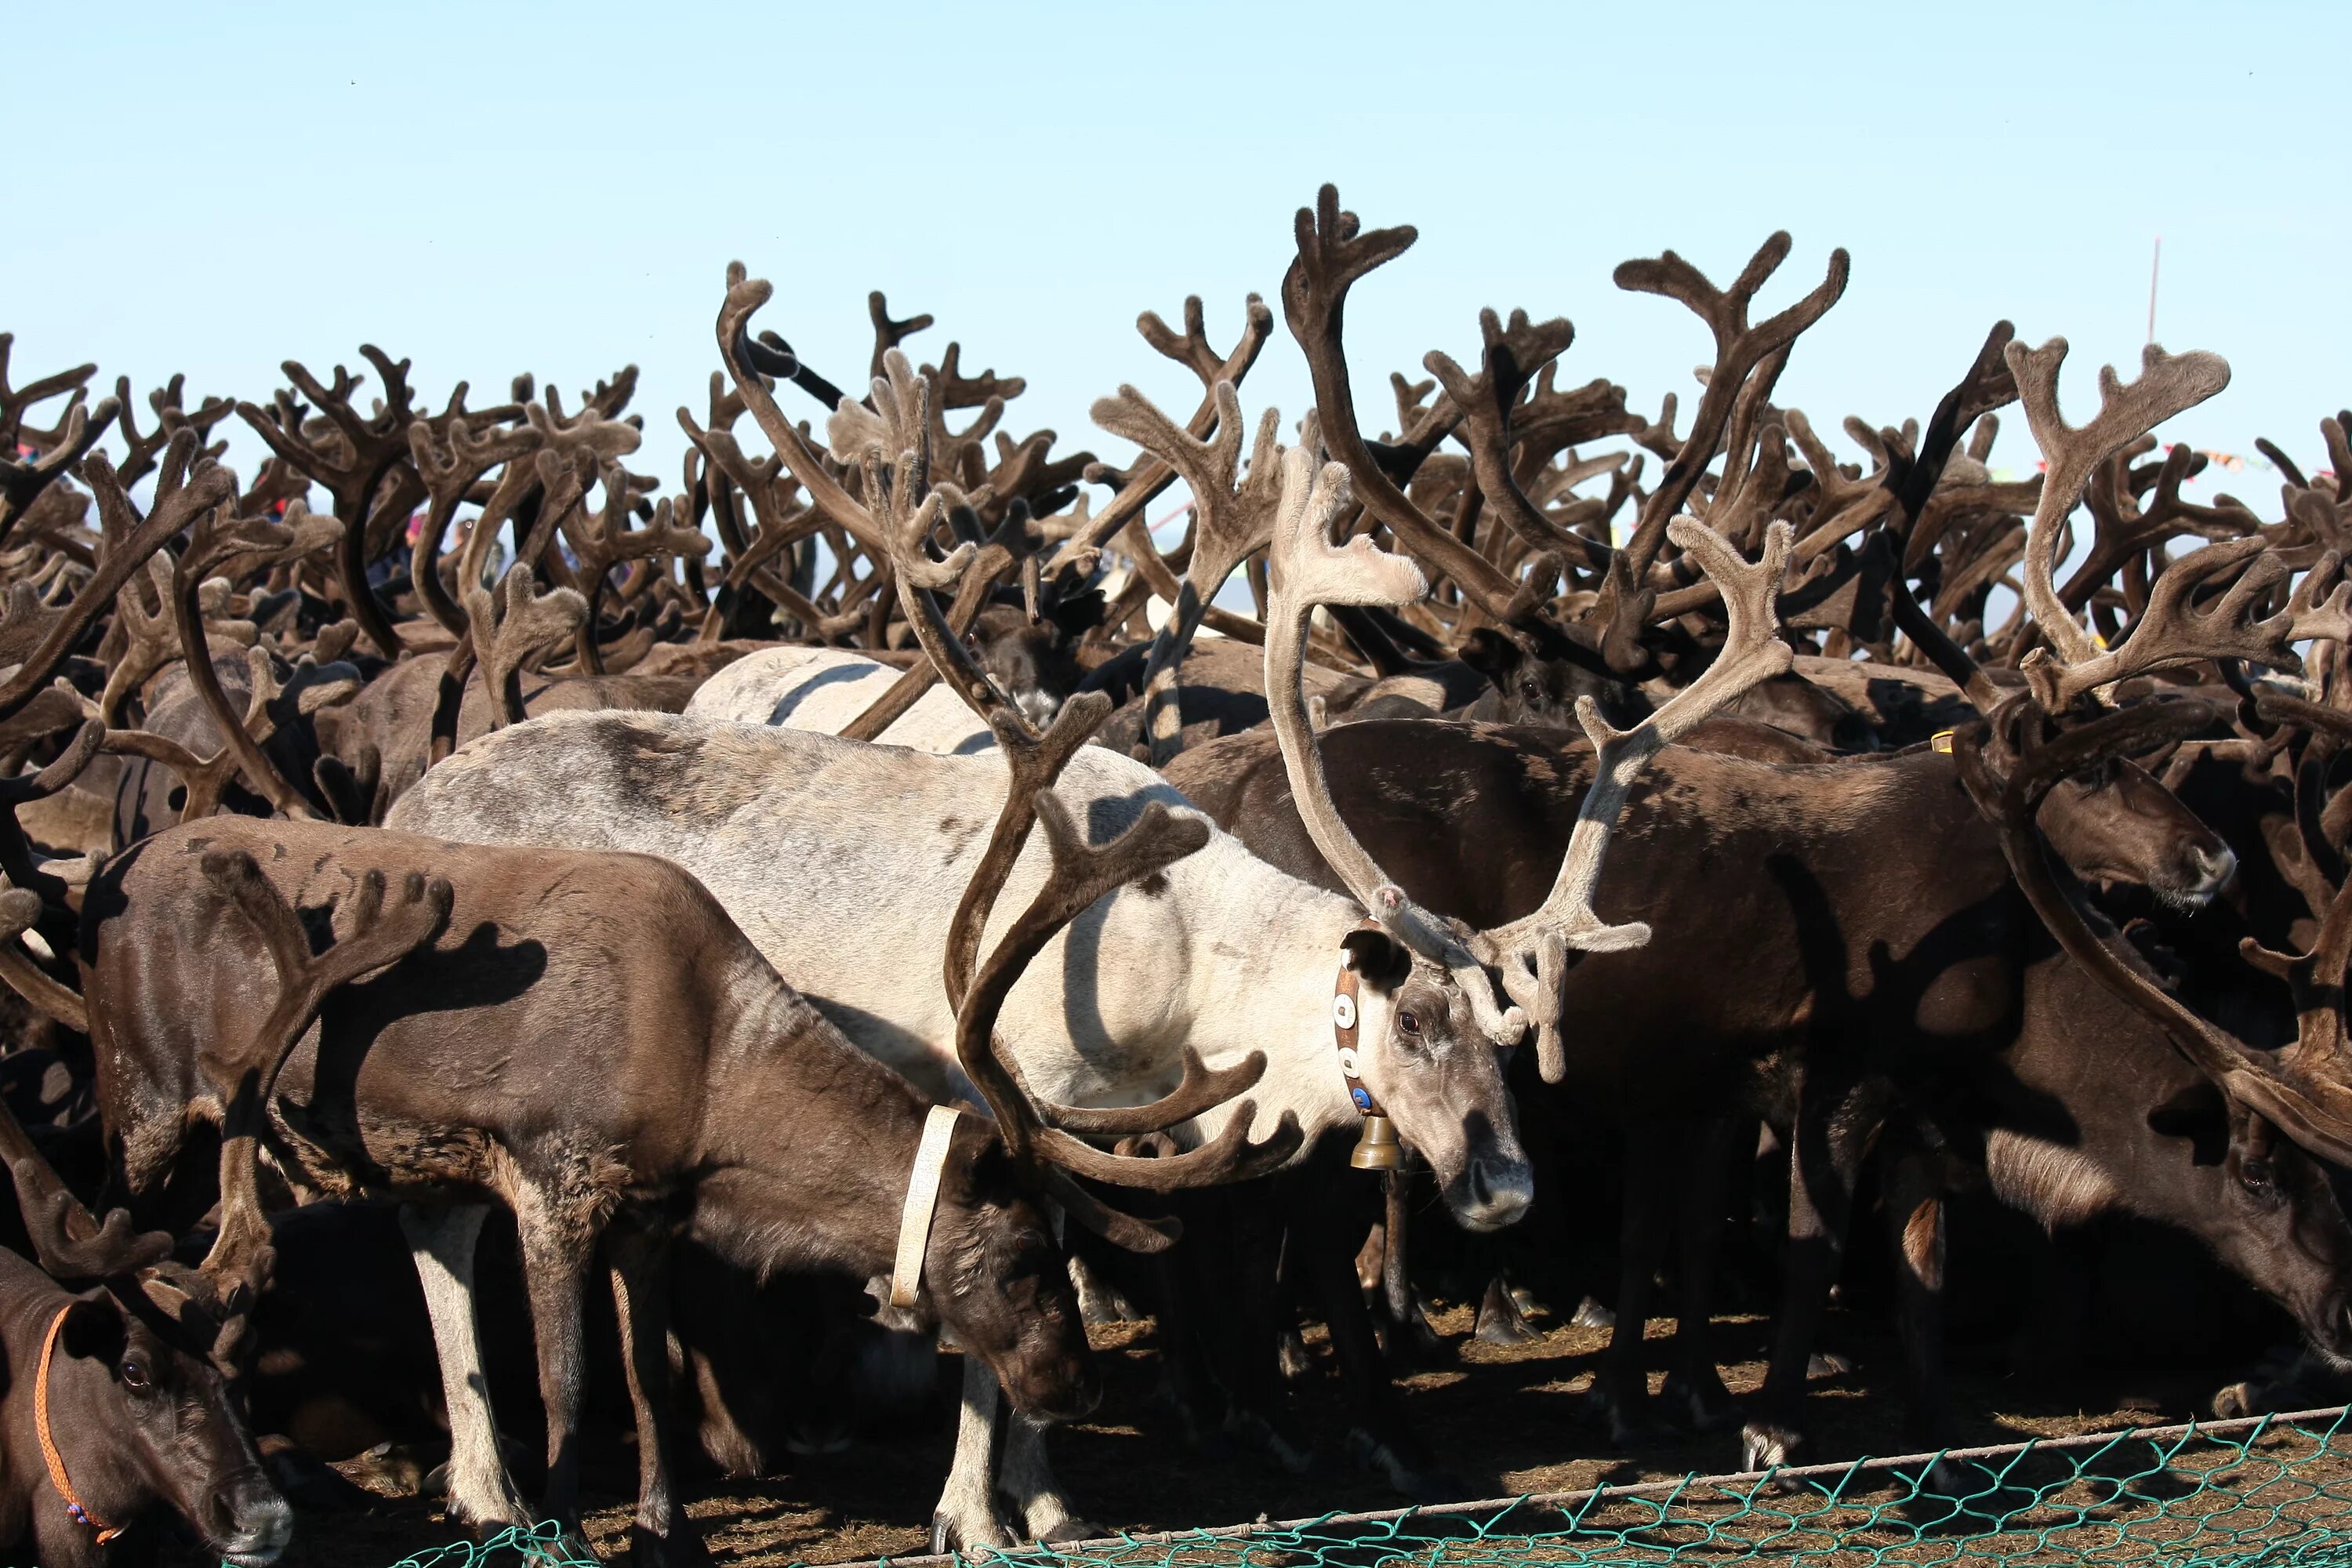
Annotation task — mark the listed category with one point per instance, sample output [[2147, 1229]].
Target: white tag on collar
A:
[[922, 1203]]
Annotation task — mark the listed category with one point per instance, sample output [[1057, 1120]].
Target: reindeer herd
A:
[[876, 880]]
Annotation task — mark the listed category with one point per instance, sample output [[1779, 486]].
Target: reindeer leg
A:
[[554, 1269], [966, 1515], [1914, 1220], [661, 1533], [1824, 1162], [1697, 1384], [1029, 1485], [1410, 1340], [1621, 1388], [482, 1496], [1380, 1437], [1243, 1277]]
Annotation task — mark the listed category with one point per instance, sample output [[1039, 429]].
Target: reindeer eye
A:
[[2258, 1178], [1409, 1021], [1531, 691], [134, 1374]]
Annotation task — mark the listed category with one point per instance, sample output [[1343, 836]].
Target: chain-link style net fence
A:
[[2274, 1490]]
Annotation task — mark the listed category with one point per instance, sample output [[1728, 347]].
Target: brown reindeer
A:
[[584, 1038]]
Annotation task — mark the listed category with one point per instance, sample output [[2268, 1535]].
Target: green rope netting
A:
[[2272, 1491], [540, 1544]]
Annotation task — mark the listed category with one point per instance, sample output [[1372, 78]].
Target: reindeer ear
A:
[[2200, 1114], [95, 1328], [1076, 615], [1379, 957], [1133, 1233], [2253, 1136], [1491, 654]]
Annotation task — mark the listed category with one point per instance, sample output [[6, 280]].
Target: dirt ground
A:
[[1504, 1421]]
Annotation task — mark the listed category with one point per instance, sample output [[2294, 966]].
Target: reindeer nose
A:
[[2213, 871], [1500, 1191], [256, 1522]]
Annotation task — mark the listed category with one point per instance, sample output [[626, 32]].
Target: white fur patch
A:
[[2055, 1184]]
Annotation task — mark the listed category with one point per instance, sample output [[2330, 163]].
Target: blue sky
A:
[[490, 189]]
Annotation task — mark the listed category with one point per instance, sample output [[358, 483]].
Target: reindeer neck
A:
[[1274, 996], [806, 1144]]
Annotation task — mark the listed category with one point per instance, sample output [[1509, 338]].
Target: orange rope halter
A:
[[56, 1460]]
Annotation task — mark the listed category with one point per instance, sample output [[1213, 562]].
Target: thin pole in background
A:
[[2154, 266]]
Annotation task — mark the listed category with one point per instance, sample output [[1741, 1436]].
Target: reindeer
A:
[[118, 1403]]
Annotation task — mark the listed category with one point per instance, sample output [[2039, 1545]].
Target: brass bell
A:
[[1378, 1149]]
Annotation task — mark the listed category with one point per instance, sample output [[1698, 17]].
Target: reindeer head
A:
[[1034, 659], [2111, 820], [172, 1432], [2266, 1208], [1000, 1280], [1431, 1064], [1542, 671]]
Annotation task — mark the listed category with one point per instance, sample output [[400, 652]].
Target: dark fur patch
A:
[[654, 765]]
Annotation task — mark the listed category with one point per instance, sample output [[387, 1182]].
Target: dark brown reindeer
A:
[[118, 1404]]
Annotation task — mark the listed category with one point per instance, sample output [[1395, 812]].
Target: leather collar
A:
[[922, 1203], [1345, 1021]]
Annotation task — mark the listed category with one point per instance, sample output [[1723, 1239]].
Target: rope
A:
[[49, 1454]]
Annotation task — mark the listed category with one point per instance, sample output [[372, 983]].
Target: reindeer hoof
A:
[[1634, 1431], [1418, 1483], [1764, 1446], [1071, 1530], [1705, 1403], [1827, 1364], [681, 1548], [1630, 1424], [2238, 1399], [950, 1534], [1591, 1314], [1501, 1329]]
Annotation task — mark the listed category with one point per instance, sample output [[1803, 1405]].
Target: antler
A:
[[217, 541], [22, 481], [2167, 632], [897, 431], [604, 540], [1307, 570], [38, 639], [1509, 358], [1532, 951], [1740, 350], [450, 470], [1081, 875], [512, 633], [1231, 521], [1333, 253], [362, 460], [1191, 349], [2173, 629], [67, 1241], [1987, 386], [375, 938]]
